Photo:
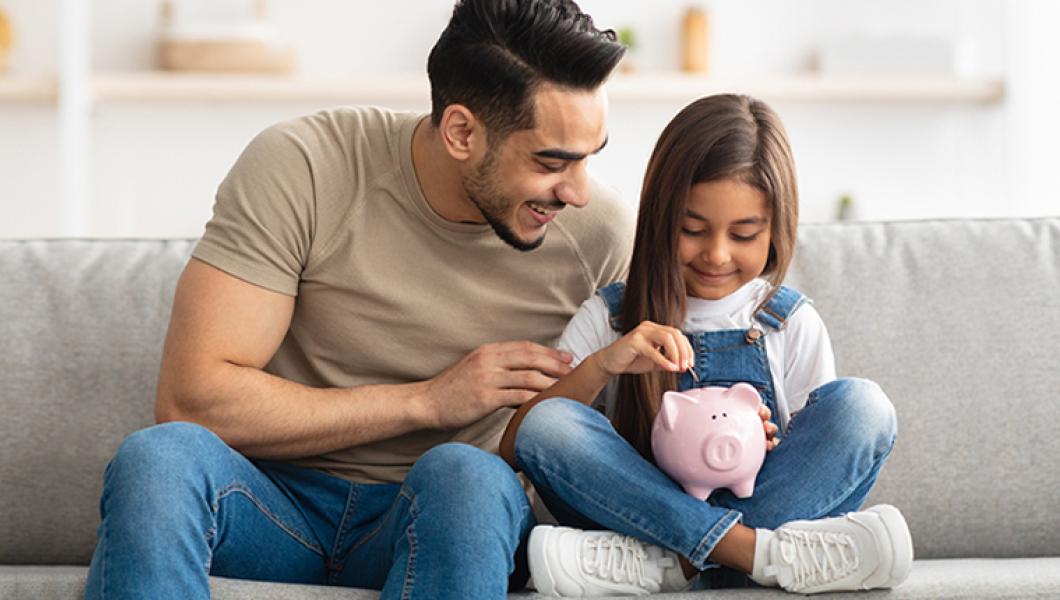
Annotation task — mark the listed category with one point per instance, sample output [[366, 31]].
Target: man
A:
[[374, 292]]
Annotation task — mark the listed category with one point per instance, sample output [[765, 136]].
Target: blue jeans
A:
[[179, 505], [591, 478]]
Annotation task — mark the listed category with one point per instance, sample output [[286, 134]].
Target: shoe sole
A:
[[540, 573], [901, 541]]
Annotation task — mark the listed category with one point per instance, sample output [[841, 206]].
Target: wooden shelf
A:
[[26, 89], [181, 87]]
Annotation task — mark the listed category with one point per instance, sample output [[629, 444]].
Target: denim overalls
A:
[[727, 357]]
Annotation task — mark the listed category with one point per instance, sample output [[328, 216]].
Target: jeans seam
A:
[[381, 522], [410, 565], [351, 501], [211, 533], [241, 489]]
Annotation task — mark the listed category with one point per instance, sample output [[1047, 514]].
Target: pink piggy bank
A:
[[709, 438]]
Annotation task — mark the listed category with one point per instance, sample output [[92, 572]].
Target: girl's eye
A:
[[745, 238], [692, 232]]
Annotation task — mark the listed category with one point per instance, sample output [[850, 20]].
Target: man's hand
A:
[[490, 377]]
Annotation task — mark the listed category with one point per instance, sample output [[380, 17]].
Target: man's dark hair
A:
[[494, 54]]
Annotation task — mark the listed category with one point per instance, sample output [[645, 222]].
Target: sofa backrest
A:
[[81, 331], [957, 320]]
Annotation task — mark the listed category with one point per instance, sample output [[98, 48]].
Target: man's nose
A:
[[574, 190]]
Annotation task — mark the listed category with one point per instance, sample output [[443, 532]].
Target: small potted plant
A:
[[628, 38]]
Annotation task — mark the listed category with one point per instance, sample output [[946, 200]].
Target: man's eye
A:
[[552, 168]]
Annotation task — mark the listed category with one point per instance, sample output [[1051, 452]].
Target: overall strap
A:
[[781, 305], [612, 295]]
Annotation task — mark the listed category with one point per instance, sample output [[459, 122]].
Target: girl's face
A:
[[724, 238]]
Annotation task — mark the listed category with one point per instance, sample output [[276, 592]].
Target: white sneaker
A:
[[857, 551], [570, 562]]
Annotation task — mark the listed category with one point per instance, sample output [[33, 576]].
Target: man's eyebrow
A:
[[560, 154], [747, 221]]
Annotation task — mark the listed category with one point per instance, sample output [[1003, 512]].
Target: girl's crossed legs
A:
[[591, 478]]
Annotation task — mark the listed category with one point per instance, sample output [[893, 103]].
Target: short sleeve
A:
[[263, 216], [809, 361], [588, 330], [615, 237]]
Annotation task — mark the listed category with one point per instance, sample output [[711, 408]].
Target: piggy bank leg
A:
[[700, 492], [743, 489]]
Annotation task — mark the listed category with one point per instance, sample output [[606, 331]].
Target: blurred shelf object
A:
[[247, 46], [27, 89], [187, 87]]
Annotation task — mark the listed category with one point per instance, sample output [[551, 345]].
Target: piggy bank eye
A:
[[713, 416], [724, 415]]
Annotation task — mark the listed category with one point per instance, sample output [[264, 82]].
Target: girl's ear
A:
[[745, 393], [671, 405]]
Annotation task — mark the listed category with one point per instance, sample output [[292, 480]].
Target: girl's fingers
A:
[[662, 341], [652, 352], [672, 351], [764, 412]]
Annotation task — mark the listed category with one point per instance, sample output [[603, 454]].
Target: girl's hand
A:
[[648, 347], [771, 429]]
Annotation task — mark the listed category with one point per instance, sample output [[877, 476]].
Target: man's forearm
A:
[[265, 416]]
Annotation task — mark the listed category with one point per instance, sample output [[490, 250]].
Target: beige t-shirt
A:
[[327, 208]]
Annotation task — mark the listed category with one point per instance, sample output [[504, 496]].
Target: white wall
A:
[[155, 166]]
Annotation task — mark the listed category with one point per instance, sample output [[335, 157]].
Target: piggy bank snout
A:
[[723, 452]]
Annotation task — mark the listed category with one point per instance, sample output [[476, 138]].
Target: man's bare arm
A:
[[222, 333]]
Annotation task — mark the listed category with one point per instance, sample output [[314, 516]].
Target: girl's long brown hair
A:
[[717, 137]]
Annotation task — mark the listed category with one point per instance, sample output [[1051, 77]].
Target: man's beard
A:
[[483, 192]]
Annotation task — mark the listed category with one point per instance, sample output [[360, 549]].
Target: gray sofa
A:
[[959, 321]]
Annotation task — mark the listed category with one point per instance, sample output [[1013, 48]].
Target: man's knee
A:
[[469, 488], [162, 455], [463, 475]]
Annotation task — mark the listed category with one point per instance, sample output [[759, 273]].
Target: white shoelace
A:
[[616, 558], [817, 557]]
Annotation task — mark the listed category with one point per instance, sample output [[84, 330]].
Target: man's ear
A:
[[462, 133]]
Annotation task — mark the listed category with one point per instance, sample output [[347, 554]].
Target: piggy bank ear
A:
[[671, 406], [745, 393]]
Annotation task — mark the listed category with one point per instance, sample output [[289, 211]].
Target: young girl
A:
[[704, 306]]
